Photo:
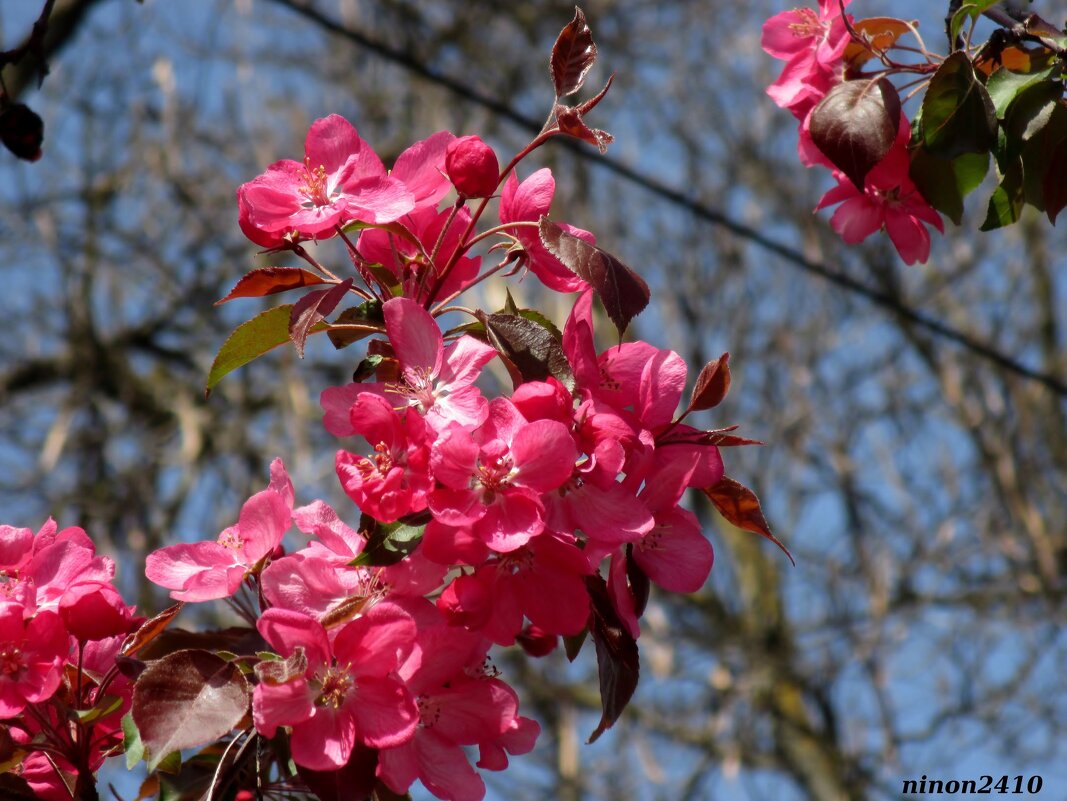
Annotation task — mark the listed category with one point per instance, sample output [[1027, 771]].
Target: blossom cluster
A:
[[513, 503], [62, 627], [479, 517], [814, 44]]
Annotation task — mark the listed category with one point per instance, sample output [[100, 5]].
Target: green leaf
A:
[[1006, 202], [1004, 85], [968, 11], [249, 341], [958, 116], [945, 183], [131, 741], [103, 707], [388, 543], [1029, 113]]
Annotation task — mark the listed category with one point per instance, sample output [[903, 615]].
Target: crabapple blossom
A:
[[340, 180], [346, 692], [493, 476], [205, 571], [890, 200]]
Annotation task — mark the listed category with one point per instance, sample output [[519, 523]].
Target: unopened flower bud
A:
[[472, 167]]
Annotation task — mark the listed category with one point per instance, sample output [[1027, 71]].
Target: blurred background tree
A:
[[921, 487]]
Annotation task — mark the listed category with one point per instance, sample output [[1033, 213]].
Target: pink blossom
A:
[[205, 571], [460, 703], [340, 180], [421, 169], [813, 45], [435, 380], [889, 200], [542, 581], [32, 654], [346, 693], [94, 610], [493, 477], [395, 480], [528, 201]]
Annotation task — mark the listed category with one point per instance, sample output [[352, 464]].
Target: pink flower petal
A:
[[275, 705], [415, 336], [385, 712]]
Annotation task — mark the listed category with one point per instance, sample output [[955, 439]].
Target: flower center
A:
[[315, 187], [417, 383], [379, 464], [231, 539], [11, 663], [515, 562], [808, 24], [336, 683], [495, 470], [429, 711]]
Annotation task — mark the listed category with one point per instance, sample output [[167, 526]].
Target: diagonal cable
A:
[[678, 198]]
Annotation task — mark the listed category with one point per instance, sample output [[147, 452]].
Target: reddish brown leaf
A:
[[187, 699], [573, 55], [740, 506], [311, 309], [356, 323], [856, 124], [623, 292], [531, 347], [618, 664], [571, 123], [588, 105], [1054, 184], [712, 385], [880, 32], [150, 629], [22, 131], [270, 281]]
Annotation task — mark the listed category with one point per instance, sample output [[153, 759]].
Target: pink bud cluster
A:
[[62, 628], [813, 44]]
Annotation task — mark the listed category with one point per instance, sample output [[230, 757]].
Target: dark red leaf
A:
[[187, 699], [1054, 184], [311, 309], [573, 55], [623, 292], [21, 131], [740, 506], [572, 644], [270, 281], [640, 586], [571, 123], [618, 664], [588, 105], [856, 124], [531, 347], [150, 629], [712, 384]]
